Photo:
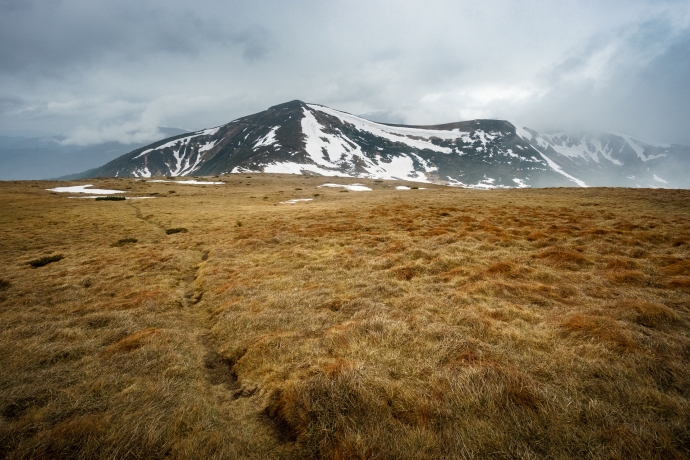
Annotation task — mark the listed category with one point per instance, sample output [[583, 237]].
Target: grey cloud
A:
[[643, 86], [10, 103], [95, 70], [14, 5], [51, 37]]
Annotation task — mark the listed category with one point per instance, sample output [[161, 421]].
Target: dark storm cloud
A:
[[97, 70], [49, 37]]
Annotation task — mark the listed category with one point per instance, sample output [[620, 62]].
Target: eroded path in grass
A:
[[108, 351], [430, 324]]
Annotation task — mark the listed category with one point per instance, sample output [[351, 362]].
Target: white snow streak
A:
[[639, 150], [659, 179], [520, 183], [394, 133], [143, 172], [268, 139], [208, 146], [288, 167], [558, 169], [522, 132]]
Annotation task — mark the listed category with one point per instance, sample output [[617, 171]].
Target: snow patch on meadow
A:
[[296, 200], [351, 187], [188, 182], [84, 189]]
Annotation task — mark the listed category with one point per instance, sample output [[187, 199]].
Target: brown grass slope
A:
[[439, 323]]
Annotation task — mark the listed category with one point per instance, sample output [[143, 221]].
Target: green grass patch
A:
[[124, 241], [46, 260], [110, 198], [171, 231]]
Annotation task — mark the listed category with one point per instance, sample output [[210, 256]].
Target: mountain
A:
[[296, 137], [44, 157]]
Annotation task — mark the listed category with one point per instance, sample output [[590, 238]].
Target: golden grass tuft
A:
[[131, 342], [502, 268], [645, 313], [599, 329], [563, 257], [681, 267], [627, 277]]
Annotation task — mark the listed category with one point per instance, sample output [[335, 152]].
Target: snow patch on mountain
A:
[[558, 169], [395, 134], [401, 167], [520, 183], [142, 172], [522, 132], [207, 146], [268, 139], [288, 167], [326, 149], [639, 150]]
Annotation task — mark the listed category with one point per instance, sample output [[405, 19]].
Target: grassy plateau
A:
[[212, 321]]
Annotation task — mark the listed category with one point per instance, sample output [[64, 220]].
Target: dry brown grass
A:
[[439, 323]]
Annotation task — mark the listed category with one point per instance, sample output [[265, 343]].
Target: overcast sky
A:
[[97, 70]]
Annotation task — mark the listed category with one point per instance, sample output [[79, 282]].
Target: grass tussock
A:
[[564, 258], [447, 323], [599, 329], [110, 198], [172, 231], [124, 242], [42, 261], [645, 313]]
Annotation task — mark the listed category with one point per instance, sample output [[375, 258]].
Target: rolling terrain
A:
[[274, 316], [311, 139]]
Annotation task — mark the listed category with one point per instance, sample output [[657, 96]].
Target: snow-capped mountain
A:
[[300, 138]]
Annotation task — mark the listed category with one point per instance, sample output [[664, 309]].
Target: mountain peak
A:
[[296, 104]]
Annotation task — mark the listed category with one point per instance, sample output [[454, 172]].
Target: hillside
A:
[[231, 320], [311, 139]]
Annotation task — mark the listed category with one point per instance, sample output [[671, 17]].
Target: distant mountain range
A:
[[45, 157], [300, 138]]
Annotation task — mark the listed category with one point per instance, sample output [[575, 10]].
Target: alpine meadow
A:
[[344, 230], [270, 316]]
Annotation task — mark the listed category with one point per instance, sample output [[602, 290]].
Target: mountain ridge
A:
[[304, 138]]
